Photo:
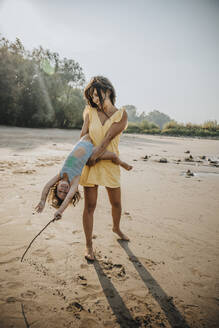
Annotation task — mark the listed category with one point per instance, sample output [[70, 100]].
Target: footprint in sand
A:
[[88, 322], [13, 271], [116, 270], [141, 260], [217, 287], [49, 236], [75, 231], [45, 164], [44, 254], [60, 294], [74, 243], [12, 285], [24, 171], [14, 259], [39, 267], [194, 271], [40, 252], [128, 215], [40, 165], [75, 308], [50, 259], [193, 283], [178, 258], [11, 299], [28, 294], [82, 280], [84, 266]]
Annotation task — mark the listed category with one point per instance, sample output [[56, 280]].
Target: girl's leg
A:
[[90, 200], [115, 200], [108, 155]]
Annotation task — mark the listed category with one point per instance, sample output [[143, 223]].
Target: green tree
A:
[[132, 113], [158, 118], [38, 89]]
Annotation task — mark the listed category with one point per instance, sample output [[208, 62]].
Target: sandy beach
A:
[[166, 276]]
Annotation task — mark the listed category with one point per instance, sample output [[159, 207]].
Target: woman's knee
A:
[[90, 199], [90, 207], [115, 197], [116, 204]]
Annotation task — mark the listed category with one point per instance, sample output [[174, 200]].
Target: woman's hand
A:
[[57, 215], [93, 158], [40, 206], [91, 162]]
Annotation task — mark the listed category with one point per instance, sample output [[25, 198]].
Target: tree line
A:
[[156, 122], [40, 89]]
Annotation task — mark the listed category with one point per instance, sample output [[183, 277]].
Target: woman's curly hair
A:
[[56, 202], [99, 83]]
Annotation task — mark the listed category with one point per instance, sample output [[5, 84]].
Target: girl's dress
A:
[[77, 159], [104, 172]]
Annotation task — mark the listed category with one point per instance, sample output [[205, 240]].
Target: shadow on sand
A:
[[123, 315], [173, 315]]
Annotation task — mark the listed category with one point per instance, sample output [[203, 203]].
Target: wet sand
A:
[[166, 276]]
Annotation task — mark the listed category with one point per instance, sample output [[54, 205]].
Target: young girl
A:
[[63, 188]]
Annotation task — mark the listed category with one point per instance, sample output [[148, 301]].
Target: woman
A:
[[62, 189], [104, 123]]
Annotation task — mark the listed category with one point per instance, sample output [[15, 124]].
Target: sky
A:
[[159, 54]]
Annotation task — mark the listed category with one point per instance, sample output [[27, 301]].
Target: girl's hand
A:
[[57, 215], [40, 206]]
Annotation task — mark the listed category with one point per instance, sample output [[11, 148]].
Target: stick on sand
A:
[[36, 237]]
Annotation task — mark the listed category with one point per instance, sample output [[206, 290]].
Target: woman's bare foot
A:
[[126, 166], [89, 254], [121, 234]]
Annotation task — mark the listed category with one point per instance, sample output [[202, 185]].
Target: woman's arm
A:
[[85, 127], [68, 198], [40, 206], [114, 130]]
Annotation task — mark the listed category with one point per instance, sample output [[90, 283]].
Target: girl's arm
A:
[[68, 198], [114, 130], [40, 206], [85, 127]]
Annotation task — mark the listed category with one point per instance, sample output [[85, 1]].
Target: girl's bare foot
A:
[[126, 166], [118, 161], [89, 254], [121, 234]]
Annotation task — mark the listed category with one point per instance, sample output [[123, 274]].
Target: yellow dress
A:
[[105, 172]]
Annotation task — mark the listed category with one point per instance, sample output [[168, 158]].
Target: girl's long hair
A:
[[99, 83], [56, 202]]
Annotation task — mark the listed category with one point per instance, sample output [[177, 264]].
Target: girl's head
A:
[[62, 189], [98, 90], [59, 191]]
